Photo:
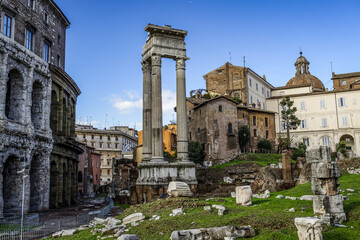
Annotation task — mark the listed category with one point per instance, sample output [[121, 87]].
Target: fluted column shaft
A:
[[156, 113], [147, 132], [182, 128]]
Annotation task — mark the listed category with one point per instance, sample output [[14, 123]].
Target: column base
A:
[[162, 173]]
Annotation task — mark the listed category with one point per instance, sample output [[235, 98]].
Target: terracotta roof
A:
[[345, 75], [196, 101], [303, 79], [287, 87], [216, 98], [314, 93], [239, 105]]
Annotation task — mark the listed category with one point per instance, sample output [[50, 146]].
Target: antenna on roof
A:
[[300, 52], [331, 67], [230, 56]]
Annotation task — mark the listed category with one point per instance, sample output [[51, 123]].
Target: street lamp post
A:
[[25, 174]]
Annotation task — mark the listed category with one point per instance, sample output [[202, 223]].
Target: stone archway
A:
[[54, 174], [12, 185], [349, 140], [36, 190], [64, 184], [14, 95]]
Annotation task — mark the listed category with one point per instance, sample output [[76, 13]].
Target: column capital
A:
[[145, 65], [180, 62], [156, 60]]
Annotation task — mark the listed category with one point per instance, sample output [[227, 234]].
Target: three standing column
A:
[[181, 115], [157, 128], [147, 145]]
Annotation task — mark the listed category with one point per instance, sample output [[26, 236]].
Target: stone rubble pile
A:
[[266, 194], [325, 186], [226, 232]]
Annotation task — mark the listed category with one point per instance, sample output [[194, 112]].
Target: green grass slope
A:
[[267, 216]]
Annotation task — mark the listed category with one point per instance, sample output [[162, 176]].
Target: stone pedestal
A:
[[243, 195], [309, 228], [325, 185]]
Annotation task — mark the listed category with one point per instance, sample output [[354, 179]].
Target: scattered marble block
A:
[[133, 218], [228, 232], [128, 237], [179, 189], [243, 195], [207, 208], [309, 228]]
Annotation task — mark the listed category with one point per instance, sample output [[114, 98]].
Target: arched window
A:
[[80, 177], [230, 131], [220, 108], [37, 104]]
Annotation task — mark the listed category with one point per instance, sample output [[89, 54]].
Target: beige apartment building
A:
[[327, 117], [109, 143]]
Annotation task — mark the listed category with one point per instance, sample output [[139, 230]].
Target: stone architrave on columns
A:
[[147, 102], [182, 128], [156, 113]]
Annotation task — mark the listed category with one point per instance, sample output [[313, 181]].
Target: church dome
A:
[[303, 76]]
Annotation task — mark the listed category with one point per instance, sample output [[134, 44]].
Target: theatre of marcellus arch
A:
[[154, 172]]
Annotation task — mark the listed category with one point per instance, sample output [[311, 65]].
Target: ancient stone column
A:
[[181, 117], [309, 228], [147, 132], [156, 112]]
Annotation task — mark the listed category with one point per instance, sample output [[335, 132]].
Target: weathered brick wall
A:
[[227, 79]]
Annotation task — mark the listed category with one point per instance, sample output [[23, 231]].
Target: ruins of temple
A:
[[154, 172]]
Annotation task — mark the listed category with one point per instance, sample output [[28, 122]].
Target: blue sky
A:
[[104, 46]]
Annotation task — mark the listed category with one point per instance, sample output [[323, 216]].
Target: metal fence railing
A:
[[10, 228]]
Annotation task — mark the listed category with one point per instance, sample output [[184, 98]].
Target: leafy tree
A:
[[264, 145], [341, 147], [299, 151], [244, 137], [283, 143], [196, 152], [288, 116]]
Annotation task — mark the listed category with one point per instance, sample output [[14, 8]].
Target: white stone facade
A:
[[327, 117]]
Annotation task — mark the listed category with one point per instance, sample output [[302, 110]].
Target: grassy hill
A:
[[267, 216]]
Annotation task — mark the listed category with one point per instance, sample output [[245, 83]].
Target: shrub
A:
[[341, 147], [264, 145], [196, 152], [299, 151]]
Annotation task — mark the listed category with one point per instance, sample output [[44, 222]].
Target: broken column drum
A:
[[325, 185], [163, 42]]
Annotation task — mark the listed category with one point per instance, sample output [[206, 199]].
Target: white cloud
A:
[[131, 101], [126, 104]]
